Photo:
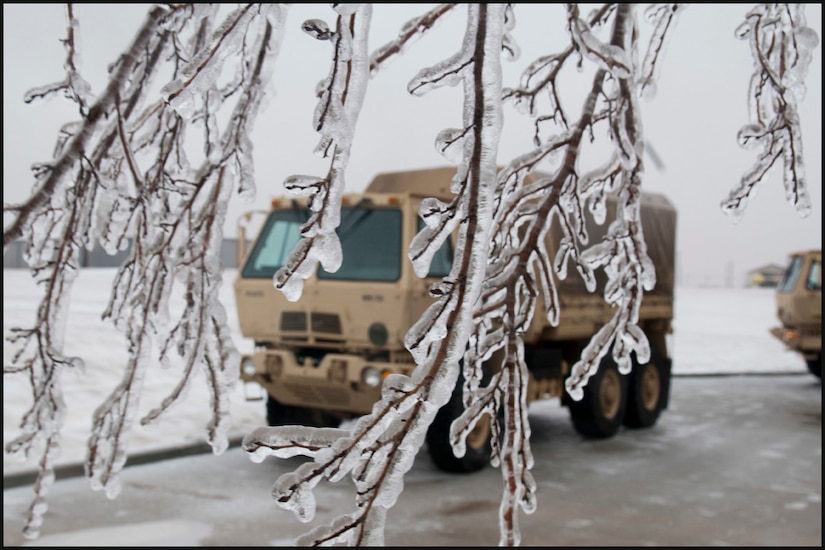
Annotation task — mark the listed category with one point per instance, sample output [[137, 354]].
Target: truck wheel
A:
[[478, 447], [815, 366], [278, 414], [601, 410], [646, 392]]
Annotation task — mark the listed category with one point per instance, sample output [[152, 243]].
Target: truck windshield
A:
[[814, 281], [791, 275], [370, 242]]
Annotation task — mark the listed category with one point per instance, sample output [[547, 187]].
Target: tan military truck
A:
[[799, 308], [322, 359]]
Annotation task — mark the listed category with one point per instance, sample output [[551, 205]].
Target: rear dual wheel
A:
[[647, 391], [815, 366], [612, 399], [600, 412], [478, 448]]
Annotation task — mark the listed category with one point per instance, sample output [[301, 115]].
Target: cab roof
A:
[[425, 182]]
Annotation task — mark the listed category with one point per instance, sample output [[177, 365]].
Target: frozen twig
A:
[[781, 44]]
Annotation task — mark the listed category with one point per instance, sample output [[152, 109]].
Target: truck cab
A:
[[799, 308], [322, 359]]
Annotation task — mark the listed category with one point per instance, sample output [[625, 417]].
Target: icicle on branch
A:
[[521, 274], [55, 222], [381, 447], [508, 289], [781, 44], [335, 119], [121, 177], [183, 242]]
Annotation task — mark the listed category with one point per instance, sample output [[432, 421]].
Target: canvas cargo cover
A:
[[659, 227], [427, 182], [657, 212]]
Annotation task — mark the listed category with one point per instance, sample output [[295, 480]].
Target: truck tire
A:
[[278, 414], [478, 447], [647, 392], [815, 366], [601, 411]]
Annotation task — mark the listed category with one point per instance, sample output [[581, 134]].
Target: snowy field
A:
[[716, 331]]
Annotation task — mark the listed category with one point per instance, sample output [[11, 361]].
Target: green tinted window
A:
[[791, 275], [442, 260], [814, 281], [278, 237], [370, 242]]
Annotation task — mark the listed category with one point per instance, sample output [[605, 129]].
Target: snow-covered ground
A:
[[716, 330]]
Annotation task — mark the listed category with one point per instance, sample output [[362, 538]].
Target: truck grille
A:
[[812, 331], [318, 395], [328, 323], [296, 321]]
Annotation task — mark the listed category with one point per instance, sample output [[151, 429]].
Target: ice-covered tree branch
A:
[[781, 44], [507, 300], [122, 177], [412, 31], [335, 119], [381, 447]]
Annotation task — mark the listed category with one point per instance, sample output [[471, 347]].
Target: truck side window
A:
[[442, 259], [370, 244], [791, 275], [814, 281], [279, 236], [281, 240]]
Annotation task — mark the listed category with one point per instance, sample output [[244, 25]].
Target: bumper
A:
[[338, 382], [808, 342]]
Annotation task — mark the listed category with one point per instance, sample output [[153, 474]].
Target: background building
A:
[[766, 276], [13, 256]]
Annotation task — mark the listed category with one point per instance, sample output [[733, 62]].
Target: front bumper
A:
[[806, 340], [345, 383]]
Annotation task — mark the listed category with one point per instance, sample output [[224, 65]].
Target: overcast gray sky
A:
[[691, 123]]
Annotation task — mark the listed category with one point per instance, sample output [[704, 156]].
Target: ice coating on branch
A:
[[302, 185], [317, 29], [429, 328], [663, 17], [293, 491], [450, 143], [398, 384], [449, 72], [289, 441], [781, 45], [200, 74], [291, 283], [74, 87], [341, 96], [548, 284], [510, 49], [120, 177], [388, 439], [440, 220], [613, 59]]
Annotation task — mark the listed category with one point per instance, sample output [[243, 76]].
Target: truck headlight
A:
[[370, 376], [248, 366]]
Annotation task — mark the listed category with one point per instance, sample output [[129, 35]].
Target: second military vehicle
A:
[[322, 359], [799, 308]]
